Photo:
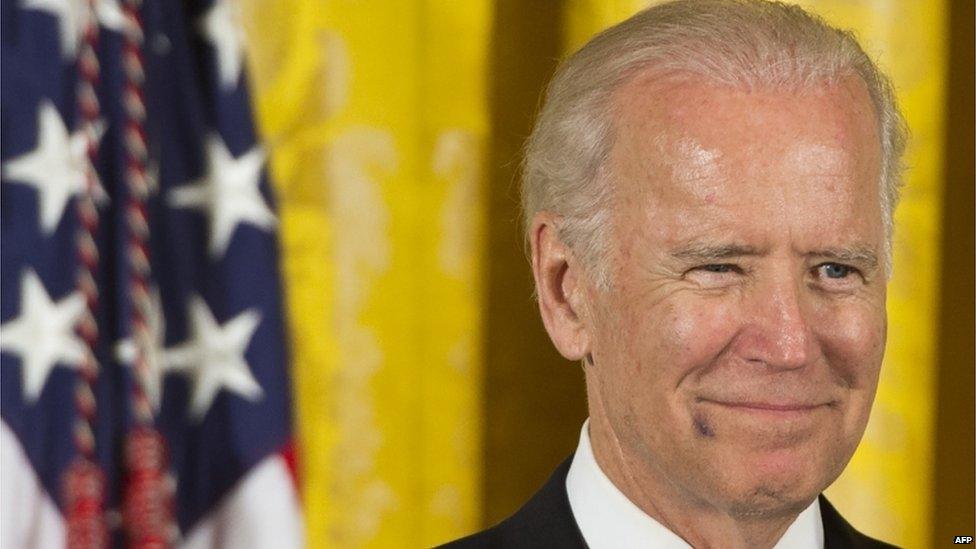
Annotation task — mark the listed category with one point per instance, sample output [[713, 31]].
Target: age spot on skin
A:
[[702, 427]]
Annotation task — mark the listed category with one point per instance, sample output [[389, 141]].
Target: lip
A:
[[769, 407]]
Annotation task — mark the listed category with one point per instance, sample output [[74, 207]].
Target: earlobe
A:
[[558, 284]]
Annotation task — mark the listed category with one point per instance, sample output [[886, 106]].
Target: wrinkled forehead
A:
[[690, 124]]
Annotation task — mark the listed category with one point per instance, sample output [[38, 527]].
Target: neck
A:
[[698, 522]]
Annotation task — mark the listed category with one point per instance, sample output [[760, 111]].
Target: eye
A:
[[720, 268], [835, 271], [715, 276]]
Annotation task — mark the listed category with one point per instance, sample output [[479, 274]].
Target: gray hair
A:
[[742, 43]]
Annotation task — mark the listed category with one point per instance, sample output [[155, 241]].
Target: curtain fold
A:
[[378, 124], [375, 114]]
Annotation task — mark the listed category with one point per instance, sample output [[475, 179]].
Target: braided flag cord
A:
[[147, 505], [137, 223], [145, 391], [85, 481]]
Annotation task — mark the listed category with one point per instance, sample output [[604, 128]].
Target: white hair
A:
[[742, 43]]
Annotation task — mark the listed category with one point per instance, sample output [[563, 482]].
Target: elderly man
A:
[[708, 196]]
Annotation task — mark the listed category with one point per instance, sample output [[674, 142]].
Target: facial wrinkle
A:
[[627, 468]]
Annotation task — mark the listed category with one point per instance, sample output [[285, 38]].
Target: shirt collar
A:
[[608, 519]]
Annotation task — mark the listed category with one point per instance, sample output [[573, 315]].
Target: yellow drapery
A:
[[376, 120], [375, 116], [887, 489]]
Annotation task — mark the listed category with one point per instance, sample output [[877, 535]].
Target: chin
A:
[[775, 483], [766, 502]]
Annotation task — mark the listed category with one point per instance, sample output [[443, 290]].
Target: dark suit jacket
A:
[[547, 521]]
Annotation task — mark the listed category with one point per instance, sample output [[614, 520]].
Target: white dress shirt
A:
[[608, 519]]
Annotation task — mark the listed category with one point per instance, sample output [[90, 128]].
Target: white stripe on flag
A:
[[29, 519], [261, 511]]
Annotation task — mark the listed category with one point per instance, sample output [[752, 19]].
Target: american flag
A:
[[145, 390]]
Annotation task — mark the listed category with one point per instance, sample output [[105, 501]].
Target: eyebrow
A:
[[699, 252], [860, 255]]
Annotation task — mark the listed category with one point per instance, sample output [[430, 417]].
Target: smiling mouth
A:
[[769, 407]]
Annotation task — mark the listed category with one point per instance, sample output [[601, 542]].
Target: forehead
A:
[[686, 145], [655, 102], [687, 123]]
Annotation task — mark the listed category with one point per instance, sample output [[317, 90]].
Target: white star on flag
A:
[[73, 16], [213, 357], [229, 193], [156, 366], [55, 168], [43, 335], [221, 27]]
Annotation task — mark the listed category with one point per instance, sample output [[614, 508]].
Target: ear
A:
[[558, 282]]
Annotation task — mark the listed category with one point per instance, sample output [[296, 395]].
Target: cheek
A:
[[701, 329], [853, 341], [682, 338], [672, 347]]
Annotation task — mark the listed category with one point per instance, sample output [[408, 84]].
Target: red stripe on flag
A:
[[290, 455]]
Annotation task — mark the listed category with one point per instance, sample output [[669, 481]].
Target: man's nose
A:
[[780, 335]]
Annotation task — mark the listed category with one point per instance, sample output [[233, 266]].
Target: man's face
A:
[[737, 352]]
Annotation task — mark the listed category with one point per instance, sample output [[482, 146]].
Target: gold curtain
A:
[[376, 119], [428, 400]]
